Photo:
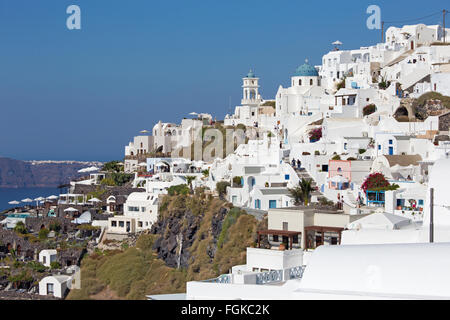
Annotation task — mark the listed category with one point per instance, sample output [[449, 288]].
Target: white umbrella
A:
[[70, 210], [27, 200], [144, 131], [142, 164], [95, 200], [39, 199], [337, 43], [52, 197], [193, 113], [88, 169], [339, 179], [14, 202]]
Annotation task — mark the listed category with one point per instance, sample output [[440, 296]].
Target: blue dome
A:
[[250, 74], [306, 70]]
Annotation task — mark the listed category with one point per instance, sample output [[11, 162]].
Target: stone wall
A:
[[34, 224]]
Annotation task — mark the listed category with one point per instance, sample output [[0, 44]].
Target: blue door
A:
[[391, 150], [272, 204], [257, 204]]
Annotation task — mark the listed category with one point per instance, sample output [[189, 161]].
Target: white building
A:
[[56, 285], [140, 211], [356, 272], [46, 257]]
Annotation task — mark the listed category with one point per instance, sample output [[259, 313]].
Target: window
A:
[[142, 209], [390, 141], [286, 177], [345, 146], [299, 82], [140, 224], [121, 224], [295, 239], [379, 147], [275, 238], [285, 226], [133, 209], [310, 82], [420, 202], [44, 258], [113, 223]]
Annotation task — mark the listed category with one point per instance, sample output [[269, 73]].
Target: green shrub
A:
[[361, 151], [20, 228], [237, 181], [221, 187], [112, 166], [55, 226], [108, 182], [55, 265], [336, 157], [36, 266], [43, 234], [369, 109], [178, 189], [121, 178], [229, 220]]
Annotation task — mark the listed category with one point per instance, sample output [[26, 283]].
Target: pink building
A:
[[339, 174]]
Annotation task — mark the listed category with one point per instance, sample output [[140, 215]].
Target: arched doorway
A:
[[251, 182]]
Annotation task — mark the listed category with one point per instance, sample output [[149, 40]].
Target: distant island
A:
[[31, 174]]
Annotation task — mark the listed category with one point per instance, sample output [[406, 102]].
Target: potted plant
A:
[[282, 247]]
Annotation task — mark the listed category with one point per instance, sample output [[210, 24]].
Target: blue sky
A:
[[83, 94]]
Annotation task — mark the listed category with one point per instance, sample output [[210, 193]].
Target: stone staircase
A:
[[399, 58], [303, 174]]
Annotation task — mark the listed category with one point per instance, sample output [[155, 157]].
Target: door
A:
[[391, 150], [128, 226], [319, 241], [50, 289], [272, 204]]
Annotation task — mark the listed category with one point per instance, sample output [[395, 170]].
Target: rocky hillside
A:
[[430, 104], [27, 174], [196, 237]]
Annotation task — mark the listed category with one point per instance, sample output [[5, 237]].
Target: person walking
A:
[[299, 164]]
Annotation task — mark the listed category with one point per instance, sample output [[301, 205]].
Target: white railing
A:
[[224, 278], [269, 276], [296, 272]]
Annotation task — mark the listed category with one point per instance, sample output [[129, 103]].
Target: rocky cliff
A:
[[29, 174], [196, 237]]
